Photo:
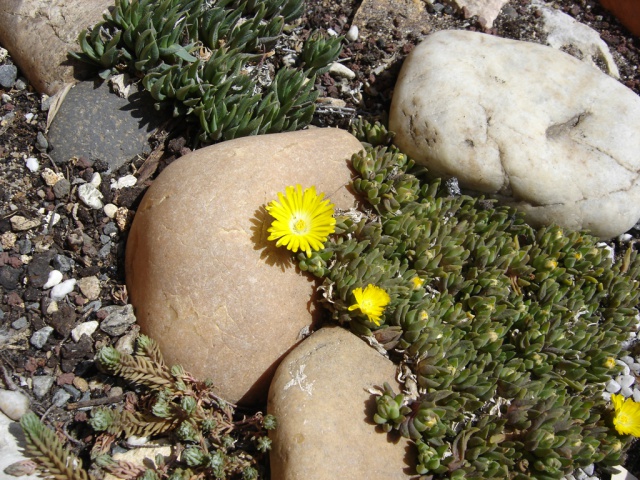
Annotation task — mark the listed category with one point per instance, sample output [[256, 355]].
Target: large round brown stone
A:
[[40, 33], [219, 298], [321, 398]]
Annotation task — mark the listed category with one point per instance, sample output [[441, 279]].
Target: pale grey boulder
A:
[[533, 126]]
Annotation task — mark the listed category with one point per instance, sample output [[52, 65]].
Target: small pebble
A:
[[62, 263], [80, 383], [42, 384], [588, 469], [90, 287], [8, 75], [118, 319], [32, 164], [13, 404], [90, 196], [52, 308], [110, 228], [62, 188], [55, 277], [352, 33], [625, 368], [41, 142], [85, 328], [24, 246], [340, 70], [626, 392], [612, 387], [60, 398], [40, 337], [110, 210], [93, 306], [96, 180], [73, 391], [20, 84], [636, 395], [123, 182], [21, 224], [105, 251], [50, 177], [20, 323], [62, 289], [625, 380]]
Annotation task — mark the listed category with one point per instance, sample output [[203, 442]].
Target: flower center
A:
[[299, 226]]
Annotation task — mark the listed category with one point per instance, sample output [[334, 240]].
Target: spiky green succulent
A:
[[506, 329], [202, 59], [215, 442]]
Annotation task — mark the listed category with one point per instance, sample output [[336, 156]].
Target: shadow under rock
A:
[[272, 255]]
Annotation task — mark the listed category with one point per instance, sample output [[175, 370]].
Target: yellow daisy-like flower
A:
[[417, 282], [371, 301], [627, 415], [303, 220]]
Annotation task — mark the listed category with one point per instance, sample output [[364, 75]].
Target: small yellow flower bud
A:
[[417, 282], [610, 362]]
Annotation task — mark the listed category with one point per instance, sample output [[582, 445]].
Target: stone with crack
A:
[[533, 126]]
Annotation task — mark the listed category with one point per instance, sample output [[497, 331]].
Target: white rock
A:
[[626, 392], [55, 277], [352, 33], [340, 70], [612, 387], [13, 404], [32, 164], [626, 370], [588, 469], [565, 32], [96, 180], [110, 210], [90, 196], [636, 395], [50, 177], [536, 127], [51, 218], [123, 182], [486, 10], [85, 328], [62, 289]]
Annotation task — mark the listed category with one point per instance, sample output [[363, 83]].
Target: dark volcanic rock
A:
[[97, 124]]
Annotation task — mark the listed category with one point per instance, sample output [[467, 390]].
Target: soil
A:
[[93, 245]]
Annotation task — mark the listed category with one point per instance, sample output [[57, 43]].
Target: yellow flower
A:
[[302, 219], [417, 282], [371, 301], [610, 362], [627, 415]]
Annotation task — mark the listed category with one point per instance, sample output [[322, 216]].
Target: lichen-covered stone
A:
[[320, 397], [219, 298]]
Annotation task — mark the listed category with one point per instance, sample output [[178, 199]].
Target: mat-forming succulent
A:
[[505, 334]]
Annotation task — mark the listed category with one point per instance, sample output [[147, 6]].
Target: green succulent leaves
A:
[[201, 59], [509, 333]]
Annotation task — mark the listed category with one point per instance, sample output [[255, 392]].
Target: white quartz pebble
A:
[[625, 380], [85, 328], [613, 386], [55, 277], [32, 164], [62, 289]]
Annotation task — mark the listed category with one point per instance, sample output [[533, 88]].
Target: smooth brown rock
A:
[[206, 284], [40, 33], [320, 397]]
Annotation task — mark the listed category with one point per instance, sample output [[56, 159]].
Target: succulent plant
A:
[[201, 60], [507, 331], [214, 441]]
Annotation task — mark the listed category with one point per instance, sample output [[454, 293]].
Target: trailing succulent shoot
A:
[[209, 438], [506, 334], [203, 58]]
